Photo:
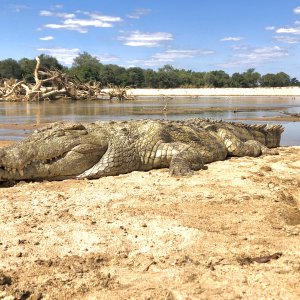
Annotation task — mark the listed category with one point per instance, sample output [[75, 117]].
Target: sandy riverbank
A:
[[284, 91], [146, 235]]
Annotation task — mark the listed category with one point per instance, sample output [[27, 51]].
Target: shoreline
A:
[[278, 91]]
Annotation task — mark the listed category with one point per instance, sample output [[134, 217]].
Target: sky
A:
[[198, 35]]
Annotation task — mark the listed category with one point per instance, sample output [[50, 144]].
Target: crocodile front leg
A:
[[120, 158]]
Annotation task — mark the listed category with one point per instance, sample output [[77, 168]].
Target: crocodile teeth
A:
[[21, 172]]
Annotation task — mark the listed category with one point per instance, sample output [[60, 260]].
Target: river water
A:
[[226, 108]]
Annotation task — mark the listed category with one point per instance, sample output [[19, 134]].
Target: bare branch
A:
[[54, 84]]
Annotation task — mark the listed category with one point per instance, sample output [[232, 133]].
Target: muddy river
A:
[[246, 109]]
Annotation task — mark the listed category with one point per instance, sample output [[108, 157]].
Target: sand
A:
[[283, 91], [229, 232]]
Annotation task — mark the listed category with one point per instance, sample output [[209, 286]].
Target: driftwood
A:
[[54, 84], [120, 93]]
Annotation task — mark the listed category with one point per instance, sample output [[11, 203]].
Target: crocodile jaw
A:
[[69, 164]]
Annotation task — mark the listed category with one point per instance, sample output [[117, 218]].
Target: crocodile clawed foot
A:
[[180, 171], [267, 151]]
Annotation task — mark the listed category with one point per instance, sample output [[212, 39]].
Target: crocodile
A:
[[93, 150]]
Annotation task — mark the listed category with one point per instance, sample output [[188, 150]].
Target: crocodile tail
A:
[[275, 128], [273, 135]]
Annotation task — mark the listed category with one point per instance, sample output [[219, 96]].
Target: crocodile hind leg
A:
[[236, 147], [186, 161], [181, 158]]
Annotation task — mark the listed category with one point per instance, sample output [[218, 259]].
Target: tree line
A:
[[88, 68]]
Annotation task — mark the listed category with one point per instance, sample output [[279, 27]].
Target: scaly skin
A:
[[94, 150]]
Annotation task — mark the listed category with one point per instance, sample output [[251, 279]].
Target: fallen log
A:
[[54, 84]]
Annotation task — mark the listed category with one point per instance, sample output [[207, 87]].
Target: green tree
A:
[[107, 75], [117, 73], [9, 68], [151, 79], [86, 67], [275, 80], [236, 80], [184, 77], [248, 79], [27, 68], [167, 77], [216, 79], [251, 78], [283, 79], [135, 77], [50, 62], [295, 82], [85, 59], [268, 80], [197, 79]]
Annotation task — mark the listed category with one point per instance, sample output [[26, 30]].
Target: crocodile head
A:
[[56, 152]]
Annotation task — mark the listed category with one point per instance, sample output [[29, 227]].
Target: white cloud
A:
[[231, 39], [105, 58], [145, 39], [67, 27], [138, 13], [287, 39], [255, 56], [265, 53], [49, 13], [66, 55], [66, 15], [70, 22], [170, 56], [87, 23], [46, 13], [103, 18], [240, 48], [63, 55], [289, 30], [271, 28], [47, 38], [297, 10]]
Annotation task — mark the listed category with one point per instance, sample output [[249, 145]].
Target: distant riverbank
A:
[[281, 91]]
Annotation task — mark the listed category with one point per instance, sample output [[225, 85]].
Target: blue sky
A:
[[231, 35]]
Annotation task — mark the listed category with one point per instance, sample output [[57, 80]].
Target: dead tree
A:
[[121, 93], [49, 85]]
